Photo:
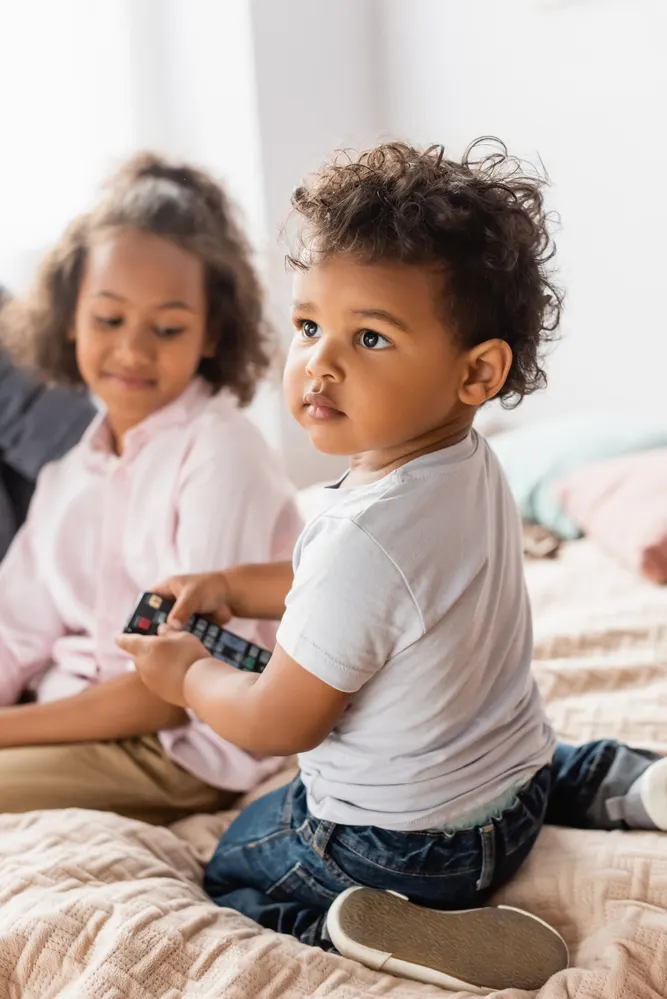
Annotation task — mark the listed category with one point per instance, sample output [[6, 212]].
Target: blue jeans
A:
[[283, 868], [586, 777]]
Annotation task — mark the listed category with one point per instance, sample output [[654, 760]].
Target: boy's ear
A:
[[486, 372]]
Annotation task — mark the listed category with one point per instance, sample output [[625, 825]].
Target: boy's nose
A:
[[324, 360]]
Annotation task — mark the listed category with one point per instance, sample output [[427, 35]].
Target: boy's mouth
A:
[[321, 407]]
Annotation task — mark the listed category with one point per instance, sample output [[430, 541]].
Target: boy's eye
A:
[[310, 329], [373, 341], [168, 331], [109, 322]]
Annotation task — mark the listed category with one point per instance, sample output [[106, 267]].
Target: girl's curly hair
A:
[[481, 221], [176, 202]]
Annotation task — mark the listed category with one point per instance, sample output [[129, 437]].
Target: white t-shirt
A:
[[409, 593]]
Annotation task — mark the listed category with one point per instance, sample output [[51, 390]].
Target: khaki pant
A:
[[133, 777]]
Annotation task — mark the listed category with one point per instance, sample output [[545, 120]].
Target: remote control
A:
[[153, 610]]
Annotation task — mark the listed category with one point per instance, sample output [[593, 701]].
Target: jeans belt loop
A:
[[488, 837]]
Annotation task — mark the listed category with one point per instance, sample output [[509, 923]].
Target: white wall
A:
[[261, 91], [66, 106], [197, 93], [318, 88], [196, 98], [89, 82], [583, 85], [257, 91], [85, 83]]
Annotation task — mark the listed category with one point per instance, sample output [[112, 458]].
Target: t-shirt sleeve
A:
[[350, 609]]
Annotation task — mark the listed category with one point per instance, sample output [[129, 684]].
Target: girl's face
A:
[[140, 326]]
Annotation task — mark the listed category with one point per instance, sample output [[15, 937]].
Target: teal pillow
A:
[[535, 456]]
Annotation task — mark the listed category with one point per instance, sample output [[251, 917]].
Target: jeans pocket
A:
[[300, 886]]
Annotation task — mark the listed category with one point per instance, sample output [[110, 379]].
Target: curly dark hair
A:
[[179, 203], [481, 221]]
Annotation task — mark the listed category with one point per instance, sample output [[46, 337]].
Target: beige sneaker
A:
[[481, 950]]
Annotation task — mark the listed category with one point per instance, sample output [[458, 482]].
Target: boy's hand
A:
[[163, 661], [204, 593]]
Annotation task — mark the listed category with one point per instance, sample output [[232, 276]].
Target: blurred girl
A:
[[150, 301]]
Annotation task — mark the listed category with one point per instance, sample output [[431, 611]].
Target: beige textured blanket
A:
[[97, 907]]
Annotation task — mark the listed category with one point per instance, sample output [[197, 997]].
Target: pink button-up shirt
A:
[[196, 488]]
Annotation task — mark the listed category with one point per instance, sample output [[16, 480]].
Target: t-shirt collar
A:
[[434, 459]]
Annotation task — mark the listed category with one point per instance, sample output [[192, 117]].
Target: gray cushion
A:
[[7, 519]]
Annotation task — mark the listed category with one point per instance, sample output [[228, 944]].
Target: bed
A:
[[92, 905]]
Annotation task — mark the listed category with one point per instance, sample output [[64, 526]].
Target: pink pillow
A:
[[622, 505]]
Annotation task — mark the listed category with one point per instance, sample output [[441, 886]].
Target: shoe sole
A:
[[481, 950]]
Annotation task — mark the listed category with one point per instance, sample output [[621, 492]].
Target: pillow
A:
[[535, 456], [622, 505]]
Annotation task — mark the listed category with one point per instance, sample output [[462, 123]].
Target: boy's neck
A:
[[374, 465]]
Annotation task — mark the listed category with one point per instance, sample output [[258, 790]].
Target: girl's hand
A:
[[205, 593], [162, 662]]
